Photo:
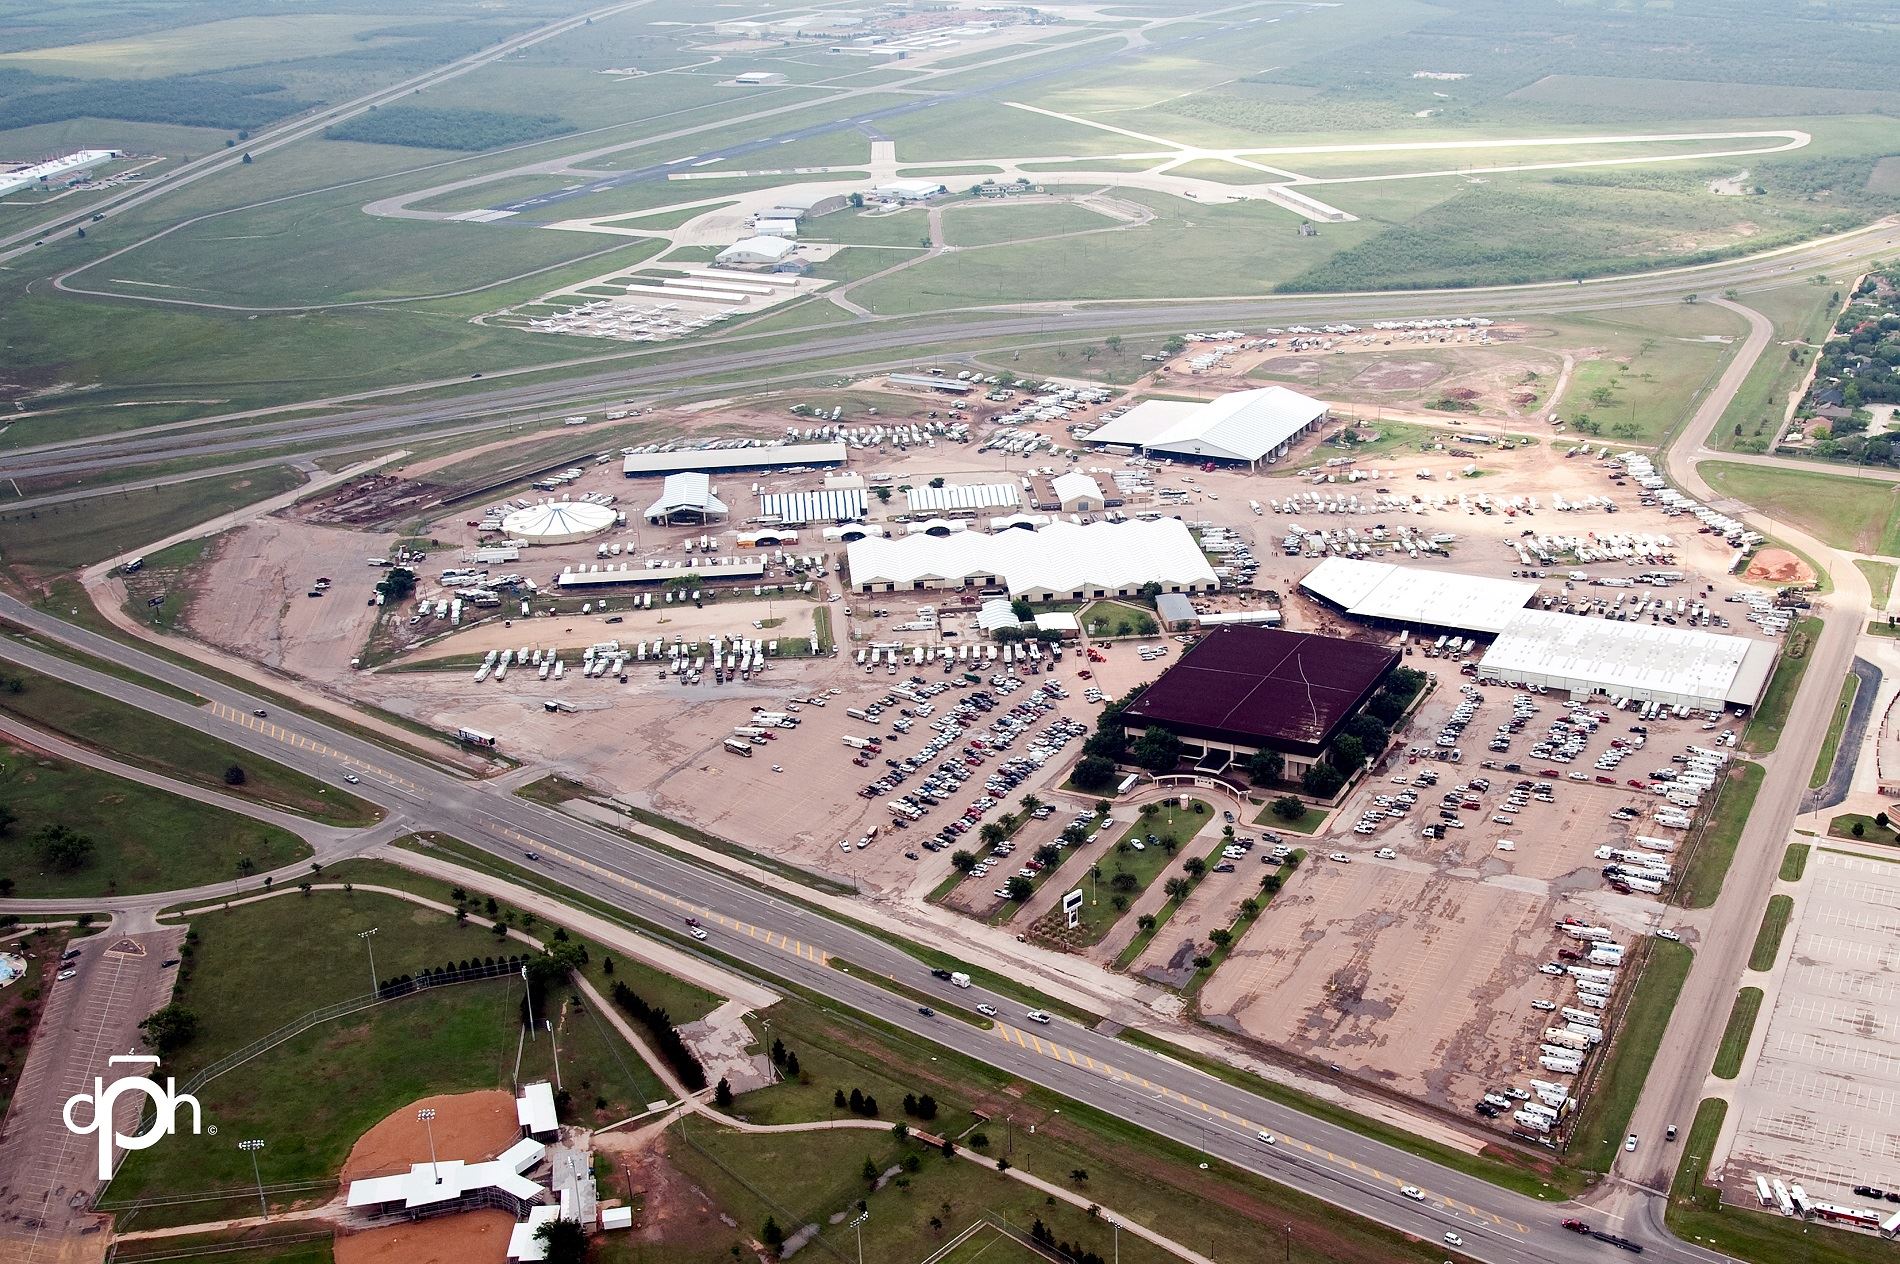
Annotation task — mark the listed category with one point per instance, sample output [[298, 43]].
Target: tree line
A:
[[666, 1038]]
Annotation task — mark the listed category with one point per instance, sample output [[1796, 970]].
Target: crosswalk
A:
[[1060, 1053]]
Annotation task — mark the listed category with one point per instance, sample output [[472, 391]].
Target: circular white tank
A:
[[557, 522]]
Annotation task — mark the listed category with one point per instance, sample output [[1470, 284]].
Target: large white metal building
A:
[[557, 522], [1063, 562], [1646, 661], [749, 457], [833, 504], [1246, 426], [1414, 597], [686, 497], [964, 496]]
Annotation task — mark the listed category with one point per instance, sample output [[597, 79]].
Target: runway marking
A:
[[1060, 1053]]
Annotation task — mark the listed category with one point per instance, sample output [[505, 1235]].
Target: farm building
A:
[[1245, 427], [1648, 662], [1063, 562], [686, 498], [1417, 599], [769, 456], [1243, 689], [755, 251]]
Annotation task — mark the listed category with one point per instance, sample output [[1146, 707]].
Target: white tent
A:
[[557, 522]]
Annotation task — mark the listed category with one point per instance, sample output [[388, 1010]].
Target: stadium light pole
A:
[[366, 936], [857, 1227], [427, 1116], [251, 1148], [527, 996]]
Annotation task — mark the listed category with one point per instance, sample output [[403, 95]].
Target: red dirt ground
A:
[[468, 1126], [471, 1237], [1778, 566]]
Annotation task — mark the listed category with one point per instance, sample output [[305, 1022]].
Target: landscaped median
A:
[[1771, 713], [1741, 1025], [1598, 1136], [1774, 921], [1831, 744]]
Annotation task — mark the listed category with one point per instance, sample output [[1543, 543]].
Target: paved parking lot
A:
[[1821, 1103], [49, 1176]]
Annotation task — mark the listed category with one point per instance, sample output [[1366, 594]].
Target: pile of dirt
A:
[[1778, 566], [472, 1127]]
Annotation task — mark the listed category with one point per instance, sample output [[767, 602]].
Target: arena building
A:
[[1244, 688]]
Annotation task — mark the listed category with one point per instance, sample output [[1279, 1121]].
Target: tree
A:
[[870, 1170], [1048, 855], [883, 495], [63, 849], [791, 1064], [1124, 881], [857, 1101], [963, 861], [1093, 772], [1289, 807], [245, 866], [770, 1233], [926, 1107], [1195, 867], [1145, 922], [1079, 1175], [837, 1099], [937, 482], [1157, 749], [1272, 883], [1073, 834], [1860, 829], [1030, 804], [6, 888], [722, 1094], [1348, 752], [1177, 889], [991, 834], [1018, 888], [7, 817], [234, 775], [169, 1028], [563, 1241], [1322, 781], [1250, 907], [1220, 936], [1266, 766], [1114, 343], [1023, 611]]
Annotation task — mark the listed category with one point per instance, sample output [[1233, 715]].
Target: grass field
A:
[[144, 839], [1702, 880], [987, 223], [138, 737], [1856, 514], [1598, 1137], [1309, 822], [204, 46], [1639, 374], [1741, 1025], [1879, 580], [1801, 313], [1831, 744], [1774, 922], [65, 537], [1794, 862], [1763, 732]]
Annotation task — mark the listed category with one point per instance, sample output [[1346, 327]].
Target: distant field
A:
[[1801, 313], [1690, 98], [205, 46], [982, 224]]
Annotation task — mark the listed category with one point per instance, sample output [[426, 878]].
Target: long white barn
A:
[[1062, 562], [1246, 426]]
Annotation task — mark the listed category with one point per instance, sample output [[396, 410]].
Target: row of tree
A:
[[666, 1038], [450, 972]]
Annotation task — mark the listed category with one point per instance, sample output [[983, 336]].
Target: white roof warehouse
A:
[[1648, 662], [1062, 562], [1415, 597], [1245, 426]]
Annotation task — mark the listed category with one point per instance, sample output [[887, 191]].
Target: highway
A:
[[879, 339], [780, 939]]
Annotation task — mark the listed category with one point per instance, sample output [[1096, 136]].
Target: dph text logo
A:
[[165, 1101]]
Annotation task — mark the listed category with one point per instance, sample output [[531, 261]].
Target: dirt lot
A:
[[469, 1237], [253, 595], [468, 1126], [1510, 376]]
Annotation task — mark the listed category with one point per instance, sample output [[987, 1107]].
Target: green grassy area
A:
[[1646, 370], [1879, 580], [1869, 829], [1142, 867], [987, 223], [1801, 313], [1597, 1138], [1774, 923], [1856, 514], [66, 537], [1741, 1025], [138, 737], [1308, 823], [1696, 1213], [1794, 862], [143, 839], [1831, 744], [1763, 733], [1721, 833], [161, 592]]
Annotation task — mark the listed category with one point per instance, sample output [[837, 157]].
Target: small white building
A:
[[756, 250], [534, 1109], [1076, 492], [785, 228], [758, 78]]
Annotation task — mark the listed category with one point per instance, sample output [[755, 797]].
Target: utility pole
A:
[[375, 986], [556, 1042], [427, 1117], [251, 1148]]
